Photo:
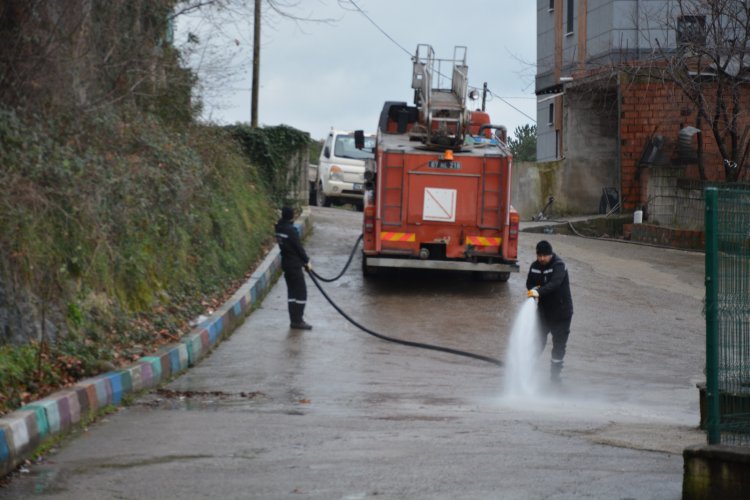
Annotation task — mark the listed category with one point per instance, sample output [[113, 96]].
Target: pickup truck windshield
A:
[[344, 148]]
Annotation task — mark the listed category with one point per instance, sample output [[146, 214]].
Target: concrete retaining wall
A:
[[575, 185], [24, 430], [674, 201], [716, 471]]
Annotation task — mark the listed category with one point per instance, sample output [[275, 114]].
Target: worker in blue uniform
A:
[[293, 260]]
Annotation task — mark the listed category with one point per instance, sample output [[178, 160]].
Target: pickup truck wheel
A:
[[313, 197], [321, 198]]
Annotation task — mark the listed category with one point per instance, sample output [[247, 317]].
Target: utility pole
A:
[[256, 68]]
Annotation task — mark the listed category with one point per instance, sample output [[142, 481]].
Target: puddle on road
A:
[[168, 399]]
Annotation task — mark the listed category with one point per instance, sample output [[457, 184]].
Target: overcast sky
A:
[[315, 76]]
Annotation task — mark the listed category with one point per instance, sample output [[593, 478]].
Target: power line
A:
[[379, 28], [509, 104], [410, 55]]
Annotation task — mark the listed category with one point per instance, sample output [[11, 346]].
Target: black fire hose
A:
[[346, 266], [315, 277]]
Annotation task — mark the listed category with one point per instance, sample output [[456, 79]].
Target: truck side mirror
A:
[[327, 152], [359, 139]]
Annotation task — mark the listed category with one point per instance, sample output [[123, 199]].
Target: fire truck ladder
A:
[[491, 195], [393, 191], [442, 110]]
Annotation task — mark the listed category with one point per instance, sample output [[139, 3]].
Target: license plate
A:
[[357, 187]]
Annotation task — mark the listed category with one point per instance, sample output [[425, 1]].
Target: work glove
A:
[[308, 267], [533, 294]]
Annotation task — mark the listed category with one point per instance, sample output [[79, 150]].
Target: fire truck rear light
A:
[[515, 219], [369, 219]]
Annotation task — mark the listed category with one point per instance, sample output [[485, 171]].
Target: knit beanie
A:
[[543, 248], [287, 213]]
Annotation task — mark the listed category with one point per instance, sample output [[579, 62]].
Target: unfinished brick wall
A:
[[650, 107]]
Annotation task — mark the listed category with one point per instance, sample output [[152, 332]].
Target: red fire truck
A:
[[437, 194]]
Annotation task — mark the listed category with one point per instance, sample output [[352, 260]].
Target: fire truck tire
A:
[[368, 271], [491, 276], [321, 198]]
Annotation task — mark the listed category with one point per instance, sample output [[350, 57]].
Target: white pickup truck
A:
[[339, 175]]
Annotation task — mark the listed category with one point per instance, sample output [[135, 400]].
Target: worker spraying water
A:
[[549, 309], [548, 284]]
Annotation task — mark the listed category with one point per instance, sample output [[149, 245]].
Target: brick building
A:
[[605, 113]]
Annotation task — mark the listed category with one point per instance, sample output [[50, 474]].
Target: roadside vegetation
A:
[[523, 143], [121, 218]]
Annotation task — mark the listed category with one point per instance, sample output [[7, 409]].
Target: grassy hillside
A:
[[116, 230], [121, 218]]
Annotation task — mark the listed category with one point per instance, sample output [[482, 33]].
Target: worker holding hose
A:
[[548, 283], [293, 260]]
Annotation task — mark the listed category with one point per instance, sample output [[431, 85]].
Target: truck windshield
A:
[[344, 147]]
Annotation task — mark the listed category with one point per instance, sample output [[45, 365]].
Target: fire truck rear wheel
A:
[[492, 276], [368, 271]]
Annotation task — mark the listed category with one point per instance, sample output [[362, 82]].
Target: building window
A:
[[691, 31], [551, 118], [570, 15]]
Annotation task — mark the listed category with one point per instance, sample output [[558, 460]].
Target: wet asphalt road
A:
[[335, 413]]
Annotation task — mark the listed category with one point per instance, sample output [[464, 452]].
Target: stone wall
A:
[[296, 177], [21, 315]]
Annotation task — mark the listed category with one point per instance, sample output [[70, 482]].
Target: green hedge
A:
[[271, 149]]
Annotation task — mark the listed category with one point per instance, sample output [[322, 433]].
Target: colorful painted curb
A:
[[23, 430]]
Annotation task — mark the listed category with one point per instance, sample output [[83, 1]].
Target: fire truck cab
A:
[[437, 194]]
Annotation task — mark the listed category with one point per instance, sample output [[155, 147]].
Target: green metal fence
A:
[[728, 315]]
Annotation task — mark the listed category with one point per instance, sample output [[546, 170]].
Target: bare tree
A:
[[708, 61], [217, 33]]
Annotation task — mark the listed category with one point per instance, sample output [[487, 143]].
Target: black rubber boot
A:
[[296, 312], [302, 325]]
